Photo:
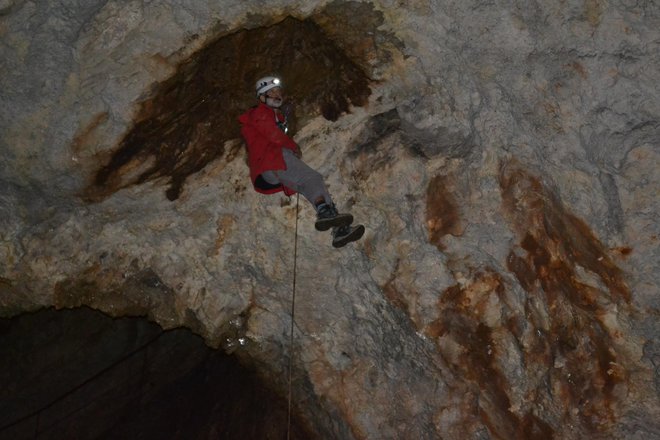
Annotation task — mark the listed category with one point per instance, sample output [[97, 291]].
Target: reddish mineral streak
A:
[[442, 215], [548, 228], [461, 320], [553, 242], [86, 134]]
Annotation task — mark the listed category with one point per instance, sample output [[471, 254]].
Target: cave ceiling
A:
[[503, 158]]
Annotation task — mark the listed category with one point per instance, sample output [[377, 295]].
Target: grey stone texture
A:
[[506, 168]]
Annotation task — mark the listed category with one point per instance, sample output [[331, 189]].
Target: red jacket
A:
[[265, 141]]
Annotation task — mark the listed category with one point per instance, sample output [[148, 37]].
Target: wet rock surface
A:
[[503, 158]]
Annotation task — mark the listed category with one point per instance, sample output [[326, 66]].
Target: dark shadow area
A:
[[185, 122], [79, 374]]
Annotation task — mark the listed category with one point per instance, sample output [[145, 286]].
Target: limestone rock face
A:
[[504, 158]]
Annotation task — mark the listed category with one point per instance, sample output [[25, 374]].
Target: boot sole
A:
[[355, 235], [327, 223]]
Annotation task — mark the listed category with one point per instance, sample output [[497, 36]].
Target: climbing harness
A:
[[282, 125], [293, 309]]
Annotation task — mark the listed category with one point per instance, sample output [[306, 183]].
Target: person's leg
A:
[[301, 178]]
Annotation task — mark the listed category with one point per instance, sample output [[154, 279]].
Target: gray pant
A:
[[299, 177]]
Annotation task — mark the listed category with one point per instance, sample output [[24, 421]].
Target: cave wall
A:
[[504, 161]]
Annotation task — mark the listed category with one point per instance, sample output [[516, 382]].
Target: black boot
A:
[[327, 217], [343, 235]]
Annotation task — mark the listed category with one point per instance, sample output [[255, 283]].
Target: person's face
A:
[[274, 97]]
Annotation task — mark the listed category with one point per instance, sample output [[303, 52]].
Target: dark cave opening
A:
[[80, 374]]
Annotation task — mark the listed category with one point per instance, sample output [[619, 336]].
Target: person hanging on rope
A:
[[275, 162]]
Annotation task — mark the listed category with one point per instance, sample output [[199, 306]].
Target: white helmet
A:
[[266, 83]]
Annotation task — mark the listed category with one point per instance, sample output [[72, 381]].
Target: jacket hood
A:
[[243, 119]]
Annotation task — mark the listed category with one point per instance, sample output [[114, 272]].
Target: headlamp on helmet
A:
[[266, 83]]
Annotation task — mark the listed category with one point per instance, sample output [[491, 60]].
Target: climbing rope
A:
[[293, 309]]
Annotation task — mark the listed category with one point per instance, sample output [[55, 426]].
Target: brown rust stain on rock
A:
[[185, 122], [442, 215], [567, 349], [593, 11], [345, 388], [579, 69], [402, 297], [463, 311], [522, 269], [393, 295], [574, 332], [533, 427], [623, 251], [224, 227], [346, 21], [554, 235], [85, 135]]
